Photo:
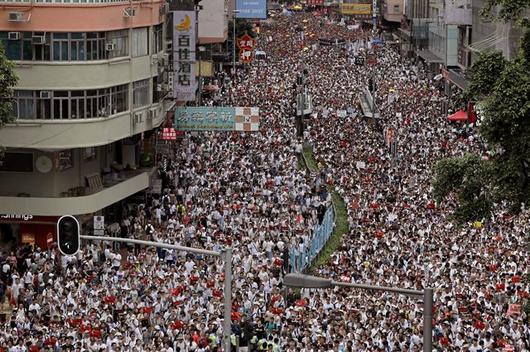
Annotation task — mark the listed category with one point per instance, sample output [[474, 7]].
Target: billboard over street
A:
[[356, 9], [251, 9], [214, 118]]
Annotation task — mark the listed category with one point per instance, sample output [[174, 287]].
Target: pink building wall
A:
[[80, 17]]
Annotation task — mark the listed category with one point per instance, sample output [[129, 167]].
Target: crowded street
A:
[[252, 191]]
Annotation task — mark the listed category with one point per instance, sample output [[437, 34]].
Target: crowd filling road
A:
[[248, 190]]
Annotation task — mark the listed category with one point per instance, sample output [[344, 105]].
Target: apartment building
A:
[[92, 88], [487, 35]]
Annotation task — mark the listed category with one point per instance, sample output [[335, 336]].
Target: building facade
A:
[[92, 87]]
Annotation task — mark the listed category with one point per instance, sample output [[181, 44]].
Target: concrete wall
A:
[[393, 10], [74, 205], [66, 134], [84, 75], [80, 17], [213, 23]]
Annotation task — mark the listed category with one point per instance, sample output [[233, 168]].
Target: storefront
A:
[[18, 229]]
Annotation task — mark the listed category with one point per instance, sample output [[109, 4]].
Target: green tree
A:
[[242, 26], [502, 89], [7, 81], [506, 10]]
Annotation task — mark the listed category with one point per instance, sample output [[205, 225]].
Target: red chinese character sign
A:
[[246, 42], [169, 134], [246, 46], [246, 55]]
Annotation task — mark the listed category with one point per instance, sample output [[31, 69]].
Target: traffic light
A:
[[68, 235]]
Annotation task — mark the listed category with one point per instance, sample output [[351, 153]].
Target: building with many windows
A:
[[92, 87]]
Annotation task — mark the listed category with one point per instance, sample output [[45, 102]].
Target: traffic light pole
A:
[[225, 254]]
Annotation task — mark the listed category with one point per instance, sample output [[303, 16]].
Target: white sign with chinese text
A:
[[184, 42]]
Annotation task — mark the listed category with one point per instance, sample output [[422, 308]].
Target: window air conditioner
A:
[[16, 16], [13, 35], [45, 94], [110, 46], [38, 40], [129, 12], [159, 88]]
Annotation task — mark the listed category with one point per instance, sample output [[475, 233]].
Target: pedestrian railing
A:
[[301, 258]]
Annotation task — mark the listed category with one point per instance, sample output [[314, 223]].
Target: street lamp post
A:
[[234, 41], [225, 254], [309, 281]]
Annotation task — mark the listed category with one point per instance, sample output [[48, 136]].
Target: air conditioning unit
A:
[[129, 12], [13, 35], [38, 40], [16, 16], [154, 59], [159, 88], [110, 46], [45, 94]]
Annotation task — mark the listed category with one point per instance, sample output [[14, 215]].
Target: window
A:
[[158, 44], [60, 46], [77, 46], [119, 99], [140, 93], [42, 52], [156, 94], [25, 104], [95, 46], [76, 104], [120, 39], [139, 42]]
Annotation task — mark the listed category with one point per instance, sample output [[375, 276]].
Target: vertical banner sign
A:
[[184, 42], [251, 9], [246, 46]]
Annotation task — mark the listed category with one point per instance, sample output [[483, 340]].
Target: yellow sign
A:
[[355, 9], [204, 68], [184, 25]]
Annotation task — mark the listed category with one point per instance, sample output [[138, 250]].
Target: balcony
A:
[[76, 205], [80, 133]]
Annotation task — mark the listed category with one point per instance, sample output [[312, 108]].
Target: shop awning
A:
[[429, 56], [459, 116]]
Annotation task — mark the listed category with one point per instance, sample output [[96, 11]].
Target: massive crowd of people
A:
[[248, 191]]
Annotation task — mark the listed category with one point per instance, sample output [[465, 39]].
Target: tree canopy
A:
[[7, 81]]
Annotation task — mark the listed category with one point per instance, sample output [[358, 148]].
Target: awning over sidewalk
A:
[[429, 56], [458, 116]]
